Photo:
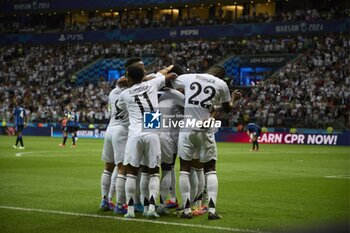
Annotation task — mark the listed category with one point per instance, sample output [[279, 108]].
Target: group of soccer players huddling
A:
[[133, 156]]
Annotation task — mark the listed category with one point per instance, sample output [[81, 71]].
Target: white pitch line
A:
[[235, 152], [133, 220], [22, 153], [339, 177]]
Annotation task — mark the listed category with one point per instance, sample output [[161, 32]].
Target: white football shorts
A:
[[168, 143], [143, 150], [114, 144], [197, 145]]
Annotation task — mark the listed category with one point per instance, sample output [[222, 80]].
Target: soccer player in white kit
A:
[[142, 182], [202, 92], [143, 147], [113, 153], [171, 104]]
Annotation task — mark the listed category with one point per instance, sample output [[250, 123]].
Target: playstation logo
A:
[[62, 38], [173, 33]]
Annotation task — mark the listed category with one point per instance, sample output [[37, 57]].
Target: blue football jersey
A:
[[251, 127], [72, 119], [19, 115]]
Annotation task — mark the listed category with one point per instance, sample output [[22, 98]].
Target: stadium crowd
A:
[[133, 19], [313, 88], [311, 92]]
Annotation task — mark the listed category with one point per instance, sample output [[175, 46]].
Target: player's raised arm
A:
[[235, 95], [175, 71], [227, 99], [122, 82], [160, 79], [170, 76], [167, 72], [227, 106]]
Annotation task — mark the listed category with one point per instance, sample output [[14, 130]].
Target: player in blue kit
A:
[[71, 124], [254, 131], [19, 115]]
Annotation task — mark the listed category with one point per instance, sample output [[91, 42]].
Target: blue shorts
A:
[[19, 128], [258, 133], [69, 129]]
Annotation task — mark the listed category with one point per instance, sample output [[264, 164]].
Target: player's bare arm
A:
[[122, 82], [227, 106], [165, 72]]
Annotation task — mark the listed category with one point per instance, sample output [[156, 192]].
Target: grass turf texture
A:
[[281, 186]]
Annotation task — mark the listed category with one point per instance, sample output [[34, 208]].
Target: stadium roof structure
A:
[[26, 6], [8, 7]]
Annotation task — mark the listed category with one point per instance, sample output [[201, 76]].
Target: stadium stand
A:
[[308, 91], [296, 93], [138, 19]]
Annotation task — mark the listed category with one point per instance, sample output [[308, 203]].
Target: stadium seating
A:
[[93, 72], [311, 88], [55, 23], [309, 92]]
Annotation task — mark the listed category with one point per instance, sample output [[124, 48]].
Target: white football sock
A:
[[112, 186], [212, 187], [130, 189], [194, 184], [105, 183], [201, 184], [165, 185], [120, 188], [138, 187], [184, 184], [144, 189], [153, 190], [173, 185]]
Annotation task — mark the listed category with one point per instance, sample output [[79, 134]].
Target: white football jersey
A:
[[140, 98], [201, 92], [171, 101], [118, 116]]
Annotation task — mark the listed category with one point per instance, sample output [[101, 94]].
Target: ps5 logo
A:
[[71, 37], [173, 33]]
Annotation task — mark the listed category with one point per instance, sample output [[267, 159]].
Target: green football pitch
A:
[[45, 188]]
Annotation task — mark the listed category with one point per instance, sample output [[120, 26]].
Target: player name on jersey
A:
[[202, 78], [138, 90]]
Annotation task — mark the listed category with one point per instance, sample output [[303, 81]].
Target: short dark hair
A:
[[217, 71], [135, 74], [131, 61], [19, 101], [177, 69]]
